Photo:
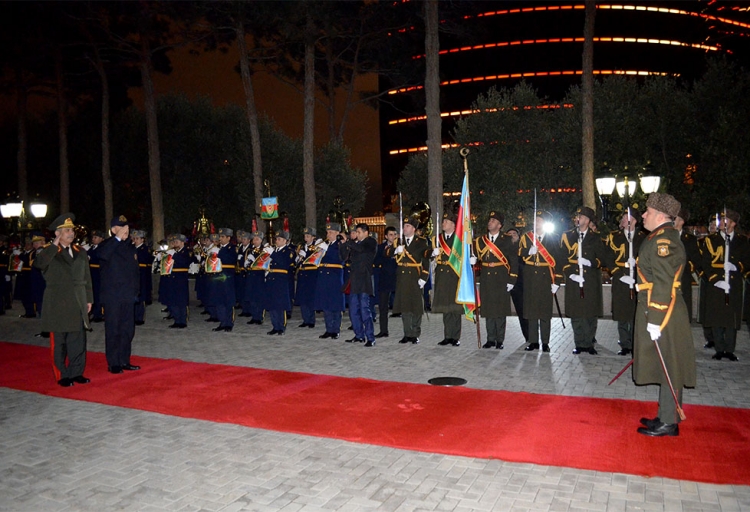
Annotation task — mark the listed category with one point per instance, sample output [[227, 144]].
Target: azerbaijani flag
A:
[[461, 252], [269, 209]]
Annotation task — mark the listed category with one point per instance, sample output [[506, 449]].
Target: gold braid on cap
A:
[[67, 224]]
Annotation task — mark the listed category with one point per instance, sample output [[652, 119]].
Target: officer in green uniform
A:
[[623, 247], [585, 254], [498, 255], [413, 259], [67, 298], [661, 316], [446, 282]]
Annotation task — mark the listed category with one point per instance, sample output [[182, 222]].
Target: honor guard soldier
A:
[[22, 291], [539, 250], [329, 296], [413, 259], [223, 281], [36, 278], [308, 257], [446, 282], [498, 255], [694, 260], [623, 246], [725, 261], [145, 261], [516, 294], [276, 291], [708, 332], [663, 353], [585, 253], [5, 280], [385, 284], [162, 262], [175, 266], [240, 274], [97, 310], [212, 268], [201, 279], [68, 296], [255, 287]]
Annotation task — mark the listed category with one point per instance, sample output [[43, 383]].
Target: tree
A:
[[432, 92], [587, 177]]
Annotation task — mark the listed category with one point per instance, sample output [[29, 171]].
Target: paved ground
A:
[[57, 454]]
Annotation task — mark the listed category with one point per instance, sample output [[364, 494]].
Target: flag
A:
[[461, 252], [269, 208]]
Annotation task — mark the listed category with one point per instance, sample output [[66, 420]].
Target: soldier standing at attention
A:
[[516, 294], [724, 274], [329, 296], [179, 260], [498, 255], [145, 260], [97, 311], [583, 287], [385, 285], [255, 288], [622, 265], [68, 297], [446, 282], [708, 332], [413, 259], [661, 316], [540, 276], [307, 278], [694, 260], [276, 294], [240, 272], [223, 285]]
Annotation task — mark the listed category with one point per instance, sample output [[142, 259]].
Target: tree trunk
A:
[[252, 116], [21, 156], [308, 164], [109, 210], [432, 91], [62, 131], [154, 157], [330, 85], [587, 172]]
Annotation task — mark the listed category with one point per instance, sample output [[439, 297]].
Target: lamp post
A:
[[649, 180], [626, 187], [18, 220], [605, 185]]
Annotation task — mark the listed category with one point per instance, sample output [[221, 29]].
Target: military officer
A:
[[329, 296], [516, 294], [97, 311], [708, 332], [623, 246], [385, 284], [211, 264], [307, 277], [694, 259], [498, 255], [255, 288], [36, 278], [585, 254], [276, 291], [201, 279], [413, 259], [68, 296], [539, 250], [145, 261], [5, 280], [22, 290], [240, 273], [661, 316], [175, 267], [446, 282], [223, 283], [725, 261]]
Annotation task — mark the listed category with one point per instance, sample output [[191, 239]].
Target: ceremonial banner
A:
[[315, 258], [262, 262], [269, 208], [213, 264], [167, 262], [461, 252]]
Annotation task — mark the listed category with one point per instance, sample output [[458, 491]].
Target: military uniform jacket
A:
[[328, 294], [413, 265], [385, 268], [694, 264], [119, 271], [661, 260], [718, 312], [68, 290], [446, 278], [361, 255], [307, 278], [276, 290], [618, 252], [499, 268], [591, 305], [176, 285], [145, 262], [22, 290], [540, 272], [256, 280], [222, 284]]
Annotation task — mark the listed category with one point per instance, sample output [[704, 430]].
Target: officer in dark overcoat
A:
[[36, 278], [498, 255], [145, 261], [446, 281], [178, 295], [22, 291], [277, 300], [120, 289], [329, 296], [240, 273], [385, 284], [223, 283], [307, 277], [68, 296], [413, 260], [694, 265], [97, 311]]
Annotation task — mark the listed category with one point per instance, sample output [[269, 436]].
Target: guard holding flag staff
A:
[[446, 282]]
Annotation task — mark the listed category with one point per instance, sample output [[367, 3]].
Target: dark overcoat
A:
[[119, 272], [540, 272], [176, 285], [276, 295], [719, 313], [413, 265], [499, 269], [328, 294], [694, 265], [593, 249], [361, 256], [618, 252]]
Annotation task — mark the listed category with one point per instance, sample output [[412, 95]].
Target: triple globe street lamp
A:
[[18, 219], [626, 185]]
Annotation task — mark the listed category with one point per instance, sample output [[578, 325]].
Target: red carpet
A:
[[586, 433]]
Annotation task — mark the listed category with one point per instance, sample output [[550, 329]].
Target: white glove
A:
[[583, 261], [16, 252], [268, 250], [158, 256], [318, 241], [630, 263], [86, 247], [555, 287], [399, 249], [473, 260], [436, 252], [722, 284], [421, 283], [729, 266], [508, 287], [627, 280], [171, 252], [302, 253], [250, 258], [532, 250], [654, 331], [213, 250], [576, 278], [323, 246], [194, 268]]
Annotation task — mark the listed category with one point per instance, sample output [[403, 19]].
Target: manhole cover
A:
[[447, 381]]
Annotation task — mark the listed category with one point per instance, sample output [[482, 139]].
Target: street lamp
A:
[[605, 185], [38, 209], [15, 214], [626, 187], [11, 212], [649, 180]]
